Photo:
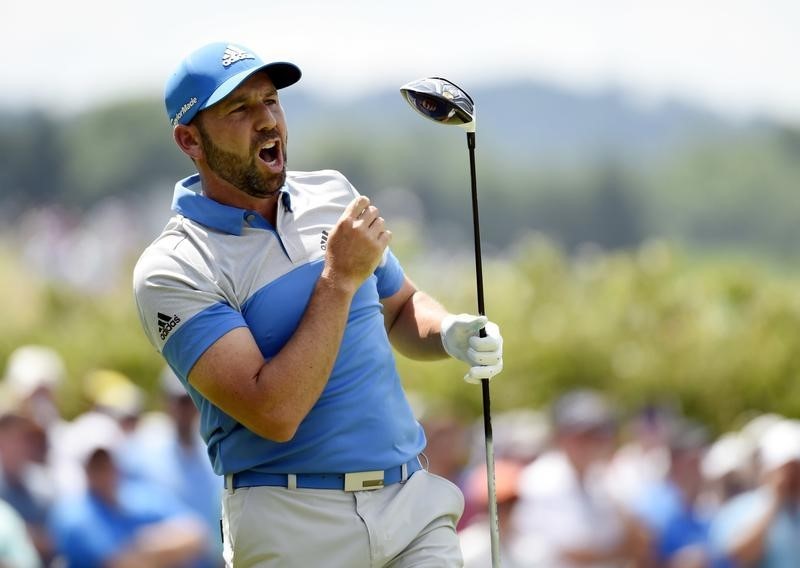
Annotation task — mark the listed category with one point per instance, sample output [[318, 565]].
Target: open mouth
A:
[[271, 155]]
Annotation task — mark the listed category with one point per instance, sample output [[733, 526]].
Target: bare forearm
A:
[[271, 398], [415, 331], [293, 381]]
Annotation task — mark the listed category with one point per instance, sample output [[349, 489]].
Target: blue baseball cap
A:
[[209, 74]]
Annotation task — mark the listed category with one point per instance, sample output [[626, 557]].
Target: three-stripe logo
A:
[[166, 324]]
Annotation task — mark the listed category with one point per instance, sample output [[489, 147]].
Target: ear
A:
[[187, 137]]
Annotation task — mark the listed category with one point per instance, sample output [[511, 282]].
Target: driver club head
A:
[[441, 101]]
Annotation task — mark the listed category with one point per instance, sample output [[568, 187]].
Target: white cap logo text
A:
[[184, 109], [233, 54]]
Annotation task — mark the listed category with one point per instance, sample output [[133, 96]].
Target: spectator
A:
[[476, 538], [111, 392], [760, 528], [727, 468], [566, 517], [16, 548], [448, 446], [672, 510], [644, 459], [520, 436], [114, 395], [21, 485], [32, 376], [172, 455], [120, 523]]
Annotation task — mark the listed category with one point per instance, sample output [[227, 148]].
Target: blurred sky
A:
[[738, 57]]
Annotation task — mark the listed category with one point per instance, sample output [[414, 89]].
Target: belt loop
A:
[[427, 463], [403, 473], [229, 483], [291, 481]]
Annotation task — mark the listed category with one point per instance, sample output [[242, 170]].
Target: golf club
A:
[[444, 102]]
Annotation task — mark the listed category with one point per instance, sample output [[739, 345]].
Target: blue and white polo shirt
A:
[[215, 268]]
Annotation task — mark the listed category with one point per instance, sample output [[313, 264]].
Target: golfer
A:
[[274, 297]]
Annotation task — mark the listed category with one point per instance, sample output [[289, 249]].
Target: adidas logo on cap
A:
[[233, 54]]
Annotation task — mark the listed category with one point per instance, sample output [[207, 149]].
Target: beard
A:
[[242, 173]]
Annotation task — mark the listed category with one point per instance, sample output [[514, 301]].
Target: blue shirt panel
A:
[[361, 421]]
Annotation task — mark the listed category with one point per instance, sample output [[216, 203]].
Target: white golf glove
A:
[[461, 340]]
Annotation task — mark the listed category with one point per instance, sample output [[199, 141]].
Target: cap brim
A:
[[281, 73]]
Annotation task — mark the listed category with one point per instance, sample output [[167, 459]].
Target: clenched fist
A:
[[356, 244]]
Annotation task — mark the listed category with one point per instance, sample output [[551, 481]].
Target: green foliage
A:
[[116, 150], [717, 337], [732, 192], [740, 194], [30, 158], [712, 323], [720, 337], [90, 331]]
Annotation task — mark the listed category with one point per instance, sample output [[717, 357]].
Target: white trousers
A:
[[403, 525]]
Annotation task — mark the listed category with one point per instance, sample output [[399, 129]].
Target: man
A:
[[116, 522], [274, 297], [21, 477], [170, 454], [566, 516], [761, 527], [672, 510], [33, 374], [475, 539]]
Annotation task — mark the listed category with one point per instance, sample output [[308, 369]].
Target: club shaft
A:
[[494, 528], [476, 226]]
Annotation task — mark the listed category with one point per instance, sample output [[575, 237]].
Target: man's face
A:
[[244, 137], [791, 475], [587, 446], [102, 475]]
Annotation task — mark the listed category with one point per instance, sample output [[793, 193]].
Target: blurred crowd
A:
[[128, 483], [117, 486], [581, 484]]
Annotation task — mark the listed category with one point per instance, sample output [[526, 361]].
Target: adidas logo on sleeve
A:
[[166, 324]]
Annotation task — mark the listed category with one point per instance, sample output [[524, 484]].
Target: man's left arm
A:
[[421, 328], [413, 322]]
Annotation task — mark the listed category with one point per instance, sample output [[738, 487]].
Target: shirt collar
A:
[[189, 201]]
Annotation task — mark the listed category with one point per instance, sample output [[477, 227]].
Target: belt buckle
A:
[[363, 480]]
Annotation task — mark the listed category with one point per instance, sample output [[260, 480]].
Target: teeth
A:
[[269, 145]]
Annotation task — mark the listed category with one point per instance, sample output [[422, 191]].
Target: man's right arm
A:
[[272, 398]]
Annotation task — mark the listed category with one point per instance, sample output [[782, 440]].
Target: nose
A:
[[266, 118]]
